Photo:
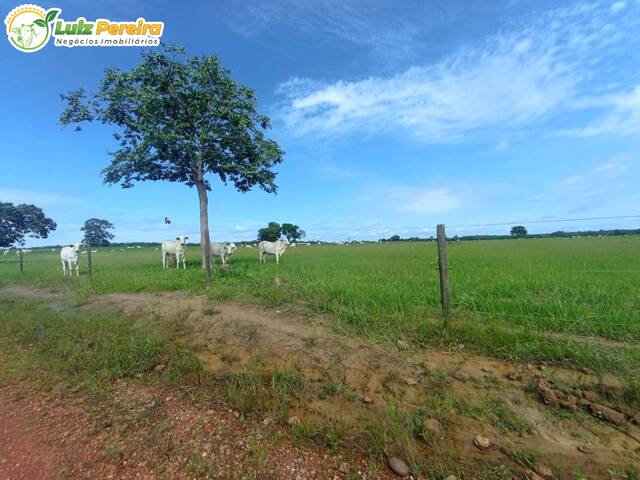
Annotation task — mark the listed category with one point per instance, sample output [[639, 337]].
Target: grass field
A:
[[569, 299]]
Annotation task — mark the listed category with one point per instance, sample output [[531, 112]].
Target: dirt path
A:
[[354, 380], [23, 455]]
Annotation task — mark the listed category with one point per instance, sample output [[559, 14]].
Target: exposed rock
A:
[[531, 475], [514, 376], [411, 381], [544, 470], [607, 413], [343, 468], [460, 347], [277, 282], [366, 399], [258, 436], [267, 421], [432, 425], [160, 367], [402, 345], [451, 477], [460, 377], [398, 467], [481, 442], [589, 395], [294, 421], [586, 449], [546, 392], [570, 403]]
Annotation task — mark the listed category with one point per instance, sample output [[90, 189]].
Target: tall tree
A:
[[19, 221], [96, 232], [180, 119], [270, 233], [292, 232], [518, 231]]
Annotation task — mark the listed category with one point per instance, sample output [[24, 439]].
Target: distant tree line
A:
[[556, 234]]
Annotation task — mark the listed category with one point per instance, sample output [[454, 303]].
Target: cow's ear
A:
[[186, 238], [177, 238]]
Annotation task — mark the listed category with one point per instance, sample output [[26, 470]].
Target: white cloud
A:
[[623, 117], [39, 198], [518, 78], [618, 6]]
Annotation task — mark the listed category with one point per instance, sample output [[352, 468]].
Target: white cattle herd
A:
[[70, 255]]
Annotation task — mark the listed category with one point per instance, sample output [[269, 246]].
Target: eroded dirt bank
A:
[[540, 420]]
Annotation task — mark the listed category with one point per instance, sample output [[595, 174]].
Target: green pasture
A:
[[564, 299]]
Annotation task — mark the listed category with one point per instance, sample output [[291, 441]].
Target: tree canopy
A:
[[270, 233], [96, 232], [19, 221], [518, 231], [292, 232], [179, 119]]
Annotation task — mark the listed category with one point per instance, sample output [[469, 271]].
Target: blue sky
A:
[[394, 116]]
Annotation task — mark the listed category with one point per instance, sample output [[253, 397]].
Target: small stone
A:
[[343, 468], [236, 414], [366, 399], [432, 425], [411, 382], [589, 395], [570, 403], [542, 367], [481, 442], [277, 282], [544, 470], [451, 477], [258, 436], [531, 475], [586, 449], [210, 412], [267, 421], [294, 421], [398, 467], [514, 376], [160, 367], [402, 345], [460, 347]]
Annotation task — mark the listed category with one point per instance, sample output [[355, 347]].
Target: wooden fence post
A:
[[444, 273], [89, 262], [21, 260]]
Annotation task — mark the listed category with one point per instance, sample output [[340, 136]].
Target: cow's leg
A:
[[77, 268], [64, 268], [277, 259], [184, 257], [164, 260]]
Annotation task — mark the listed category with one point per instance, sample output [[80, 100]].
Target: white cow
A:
[[174, 247], [293, 245], [272, 248], [222, 250], [70, 258]]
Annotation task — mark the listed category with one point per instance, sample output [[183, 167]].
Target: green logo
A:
[[29, 27]]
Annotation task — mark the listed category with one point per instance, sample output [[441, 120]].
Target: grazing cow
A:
[[272, 248], [70, 258], [293, 245], [222, 250], [247, 246], [174, 247]]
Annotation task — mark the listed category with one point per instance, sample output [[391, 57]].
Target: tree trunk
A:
[[204, 232]]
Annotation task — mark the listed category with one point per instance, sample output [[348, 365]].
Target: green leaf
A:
[[39, 22], [51, 14]]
